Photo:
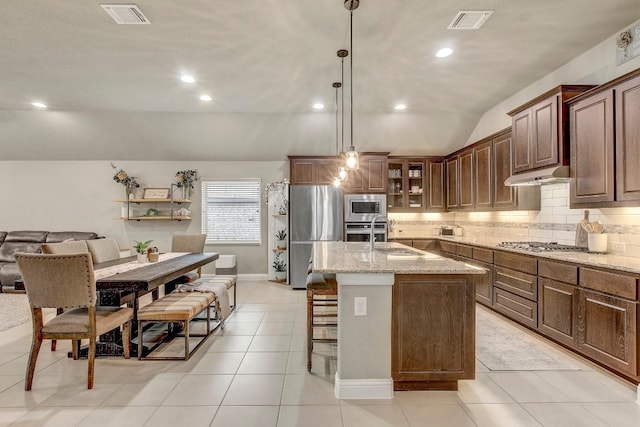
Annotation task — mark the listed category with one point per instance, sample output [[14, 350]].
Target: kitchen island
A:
[[406, 318]]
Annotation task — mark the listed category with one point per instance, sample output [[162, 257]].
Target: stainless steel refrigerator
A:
[[316, 213]]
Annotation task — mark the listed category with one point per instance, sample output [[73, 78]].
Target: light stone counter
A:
[[614, 262], [351, 257]]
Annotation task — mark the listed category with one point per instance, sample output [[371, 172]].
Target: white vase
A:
[[142, 258], [281, 244], [281, 276]]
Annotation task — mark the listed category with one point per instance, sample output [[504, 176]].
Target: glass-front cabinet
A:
[[406, 191]]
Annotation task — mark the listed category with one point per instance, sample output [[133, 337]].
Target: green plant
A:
[[186, 178], [282, 234], [121, 177], [141, 247], [279, 264]]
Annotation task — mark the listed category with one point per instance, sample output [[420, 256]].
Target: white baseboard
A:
[[363, 388]]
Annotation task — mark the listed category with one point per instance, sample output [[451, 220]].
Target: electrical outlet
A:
[[360, 306], [618, 246]]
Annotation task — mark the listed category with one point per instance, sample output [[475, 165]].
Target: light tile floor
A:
[[253, 373]]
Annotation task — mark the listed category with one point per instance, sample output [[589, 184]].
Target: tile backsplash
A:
[[555, 221]]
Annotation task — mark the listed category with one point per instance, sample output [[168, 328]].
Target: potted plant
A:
[[141, 249], [280, 267], [281, 239]]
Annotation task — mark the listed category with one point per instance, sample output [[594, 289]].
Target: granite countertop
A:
[[352, 257], [614, 262]]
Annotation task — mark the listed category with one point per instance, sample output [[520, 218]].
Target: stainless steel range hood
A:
[[552, 175]]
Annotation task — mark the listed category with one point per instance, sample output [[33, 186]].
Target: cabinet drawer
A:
[[481, 254], [448, 247], [517, 262], [426, 245], [560, 272], [514, 307], [465, 251], [517, 282], [609, 283]]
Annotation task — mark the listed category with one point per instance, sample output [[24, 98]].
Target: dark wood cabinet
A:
[[557, 301], [627, 111], [451, 172], [605, 144], [515, 287], [466, 199], [433, 333], [504, 197], [326, 171], [435, 187], [303, 171], [592, 150], [406, 187], [370, 177], [483, 171], [540, 136]]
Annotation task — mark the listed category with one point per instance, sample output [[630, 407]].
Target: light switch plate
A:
[[360, 306]]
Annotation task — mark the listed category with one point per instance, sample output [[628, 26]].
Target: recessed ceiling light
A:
[[187, 78], [318, 106], [444, 52], [205, 98], [400, 107], [39, 105]]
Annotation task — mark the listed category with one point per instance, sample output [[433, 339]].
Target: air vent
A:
[[469, 19], [128, 14]]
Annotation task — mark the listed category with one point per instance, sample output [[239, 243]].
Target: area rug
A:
[[501, 346], [14, 310]]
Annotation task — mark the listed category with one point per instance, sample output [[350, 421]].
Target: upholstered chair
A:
[[68, 281], [193, 243], [70, 247], [103, 250]]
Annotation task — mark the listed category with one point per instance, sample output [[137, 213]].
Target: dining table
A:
[[124, 281]]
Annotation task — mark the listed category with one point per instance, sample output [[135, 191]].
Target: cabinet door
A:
[[415, 185], [326, 171], [504, 196], [483, 283], [483, 175], [466, 196], [396, 185], [435, 195], [607, 330], [556, 310], [374, 173], [303, 171], [521, 125], [591, 136], [544, 147], [452, 183], [627, 97]]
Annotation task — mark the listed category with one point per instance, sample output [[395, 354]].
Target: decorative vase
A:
[[281, 276], [186, 192], [142, 258], [281, 244]]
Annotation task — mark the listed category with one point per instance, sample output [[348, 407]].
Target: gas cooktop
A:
[[541, 246]]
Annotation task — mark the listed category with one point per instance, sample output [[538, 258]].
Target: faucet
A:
[[372, 238]]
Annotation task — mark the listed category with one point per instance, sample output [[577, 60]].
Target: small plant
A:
[[279, 264], [141, 247], [282, 234]]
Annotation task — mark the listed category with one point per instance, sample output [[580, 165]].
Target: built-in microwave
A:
[[364, 207]]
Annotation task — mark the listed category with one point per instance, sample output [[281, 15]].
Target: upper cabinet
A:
[[483, 167], [466, 196], [371, 176], [605, 145], [451, 183], [540, 133], [406, 186], [435, 185], [504, 197]]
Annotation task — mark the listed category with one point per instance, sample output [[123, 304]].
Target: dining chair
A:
[[193, 243], [71, 247], [103, 250], [68, 281]]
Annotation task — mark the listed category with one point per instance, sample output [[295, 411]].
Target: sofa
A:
[[28, 241]]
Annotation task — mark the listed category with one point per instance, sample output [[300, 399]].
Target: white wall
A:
[[80, 196], [595, 66]]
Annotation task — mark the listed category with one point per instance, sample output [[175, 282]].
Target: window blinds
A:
[[231, 211]]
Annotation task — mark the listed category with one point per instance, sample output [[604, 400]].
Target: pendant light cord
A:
[[337, 107], [351, 69], [342, 105]]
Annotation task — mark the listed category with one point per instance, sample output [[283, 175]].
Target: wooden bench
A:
[[228, 280], [177, 307]]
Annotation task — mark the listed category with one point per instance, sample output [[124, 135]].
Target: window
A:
[[231, 211]]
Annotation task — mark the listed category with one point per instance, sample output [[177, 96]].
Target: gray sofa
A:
[[28, 241]]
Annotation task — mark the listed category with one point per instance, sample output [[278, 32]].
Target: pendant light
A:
[[337, 182], [342, 170], [351, 154]]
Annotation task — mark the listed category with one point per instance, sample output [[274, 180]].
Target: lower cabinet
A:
[[556, 308], [515, 307], [607, 330]]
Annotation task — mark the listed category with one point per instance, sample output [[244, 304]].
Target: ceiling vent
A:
[[469, 19], [128, 14]]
